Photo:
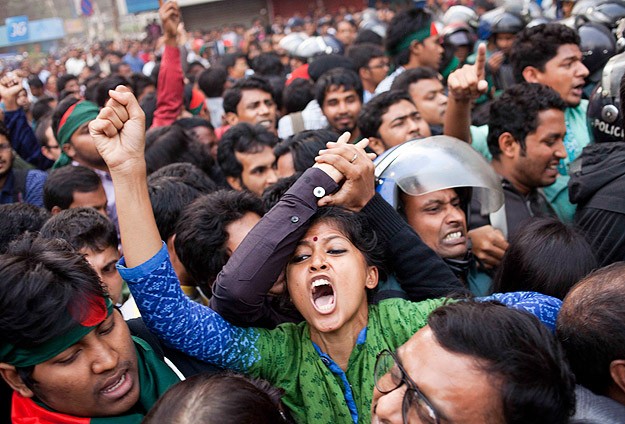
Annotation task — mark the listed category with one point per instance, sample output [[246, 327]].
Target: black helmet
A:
[[606, 12], [508, 22], [458, 34], [605, 119], [598, 45]]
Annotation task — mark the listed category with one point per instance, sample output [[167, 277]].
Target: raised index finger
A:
[[480, 63]]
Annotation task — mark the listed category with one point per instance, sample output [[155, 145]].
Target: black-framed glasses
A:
[[379, 66], [390, 375]]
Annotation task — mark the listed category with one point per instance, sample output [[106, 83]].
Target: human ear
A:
[[12, 378], [372, 277], [69, 150], [531, 74], [376, 145], [617, 372], [508, 145], [235, 183]]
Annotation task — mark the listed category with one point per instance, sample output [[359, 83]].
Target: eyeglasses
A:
[[4, 147], [379, 66], [390, 375], [53, 147]]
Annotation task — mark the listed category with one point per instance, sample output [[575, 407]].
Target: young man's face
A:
[[565, 73], [429, 97], [341, 107], [544, 148], [376, 70], [256, 107], [90, 199], [430, 52], [439, 220], [6, 156], [239, 68], [504, 41], [454, 384], [258, 172], [81, 148], [400, 123], [346, 33], [103, 262], [96, 377]]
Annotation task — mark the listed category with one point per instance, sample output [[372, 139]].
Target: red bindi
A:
[[315, 238]]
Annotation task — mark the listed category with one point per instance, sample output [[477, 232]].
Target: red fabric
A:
[[301, 72], [26, 411], [66, 115], [219, 132], [170, 89]]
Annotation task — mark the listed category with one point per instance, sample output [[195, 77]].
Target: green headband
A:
[[25, 357], [77, 114], [419, 36]]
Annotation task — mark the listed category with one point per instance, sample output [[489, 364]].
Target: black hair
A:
[[62, 81], [60, 110], [242, 138], [304, 146], [4, 131], [148, 105], [225, 398], [401, 27], [232, 96], [188, 173], [19, 218], [590, 326], [273, 193], [337, 78], [369, 36], [412, 76], [42, 126], [40, 279], [190, 123], [169, 196], [201, 232], [83, 228], [34, 81], [517, 351], [516, 112], [62, 183], [361, 54], [139, 83], [109, 83], [172, 144], [229, 59], [370, 117], [268, 64], [41, 108], [537, 45], [545, 256], [357, 229], [297, 95], [91, 88], [213, 81]]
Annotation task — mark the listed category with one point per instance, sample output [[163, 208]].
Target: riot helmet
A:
[[605, 119], [461, 14]]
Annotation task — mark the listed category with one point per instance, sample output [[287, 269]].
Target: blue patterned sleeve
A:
[[183, 324], [545, 308]]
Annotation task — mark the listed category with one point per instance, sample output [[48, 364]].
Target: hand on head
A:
[[355, 166]]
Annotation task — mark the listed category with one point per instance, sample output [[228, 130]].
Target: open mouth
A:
[[323, 297], [118, 388], [266, 124], [453, 236]]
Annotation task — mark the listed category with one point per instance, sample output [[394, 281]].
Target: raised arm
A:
[[465, 85]]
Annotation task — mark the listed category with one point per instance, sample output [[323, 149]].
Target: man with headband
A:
[[64, 350], [412, 40], [70, 123]]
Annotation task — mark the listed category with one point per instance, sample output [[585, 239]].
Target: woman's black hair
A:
[[546, 256]]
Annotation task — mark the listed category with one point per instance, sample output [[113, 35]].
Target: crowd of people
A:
[[404, 214]]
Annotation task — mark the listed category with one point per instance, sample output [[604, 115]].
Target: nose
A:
[[105, 358], [263, 109], [582, 70], [272, 177], [387, 407], [455, 214], [318, 262], [559, 149]]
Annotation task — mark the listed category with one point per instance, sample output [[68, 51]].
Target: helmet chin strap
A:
[[460, 267]]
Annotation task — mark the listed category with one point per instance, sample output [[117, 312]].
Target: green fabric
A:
[[25, 357], [419, 36], [313, 393], [84, 111], [453, 64], [155, 378], [577, 138]]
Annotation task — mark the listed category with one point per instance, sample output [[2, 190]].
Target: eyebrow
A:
[[404, 117]]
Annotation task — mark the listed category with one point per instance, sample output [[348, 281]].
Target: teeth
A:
[[321, 282], [116, 385], [455, 235], [325, 307]]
